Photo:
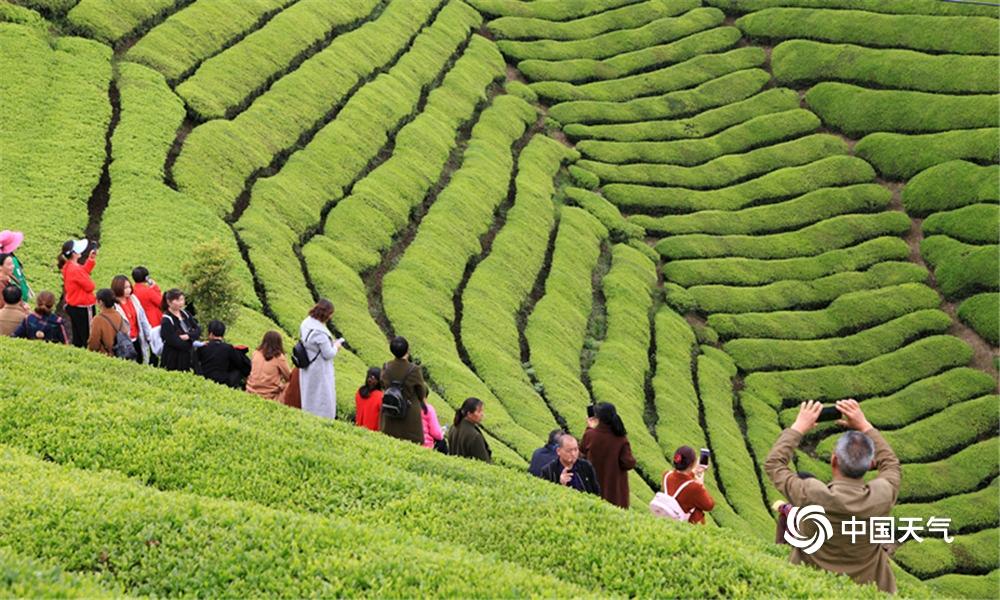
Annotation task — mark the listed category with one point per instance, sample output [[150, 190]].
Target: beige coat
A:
[[842, 499], [268, 378]]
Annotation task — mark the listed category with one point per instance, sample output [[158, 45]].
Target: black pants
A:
[[79, 321]]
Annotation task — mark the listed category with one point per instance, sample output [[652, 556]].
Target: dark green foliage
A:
[[687, 74], [724, 170], [955, 35], [901, 7], [210, 281], [849, 313], [972, 553], [783, 295], [757, 132], [900, 156], [781, 184], [951, 185], [809, 208], [969, 512], [962, 269], [965, 471], [833, 233], [716, 92], [886, 373], [626, 17], [749, 271], [858, 111], [768, 354], [801, 62], [974, 224], [622, 41], [982, 313], [703, 124], [580, 70]]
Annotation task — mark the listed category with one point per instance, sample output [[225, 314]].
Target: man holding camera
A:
[[845, 498]]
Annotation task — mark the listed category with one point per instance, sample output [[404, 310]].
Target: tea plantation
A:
[[703, 211]]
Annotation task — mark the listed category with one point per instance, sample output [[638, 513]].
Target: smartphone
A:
[[705, 453], [829, 413], [590, 411]]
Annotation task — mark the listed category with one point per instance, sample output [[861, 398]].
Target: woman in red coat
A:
[[607, 448], [694, 498], [78, 288]]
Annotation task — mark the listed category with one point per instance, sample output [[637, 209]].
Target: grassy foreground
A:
[[152, 483]]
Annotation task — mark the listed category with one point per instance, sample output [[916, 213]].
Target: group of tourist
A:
[[133, 319]]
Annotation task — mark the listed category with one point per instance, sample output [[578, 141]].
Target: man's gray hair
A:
[[854, 452]]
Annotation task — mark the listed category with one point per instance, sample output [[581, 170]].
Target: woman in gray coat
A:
[[316, 381]]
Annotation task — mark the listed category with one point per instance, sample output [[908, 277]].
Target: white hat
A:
[[79, 246]]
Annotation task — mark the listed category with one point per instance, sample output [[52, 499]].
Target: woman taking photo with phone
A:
[[78, 288], [694, 499], [607, 448]]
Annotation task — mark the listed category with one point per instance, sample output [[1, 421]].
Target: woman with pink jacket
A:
[[432, 429]]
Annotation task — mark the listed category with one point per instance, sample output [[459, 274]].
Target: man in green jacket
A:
[[845, 499], [411, 426]]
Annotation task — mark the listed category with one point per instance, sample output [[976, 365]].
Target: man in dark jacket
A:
[[546, 454], [570, 470], [221, 362], [411, 426]]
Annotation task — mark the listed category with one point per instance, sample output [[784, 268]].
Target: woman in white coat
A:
[[129, 307], [317, 381]]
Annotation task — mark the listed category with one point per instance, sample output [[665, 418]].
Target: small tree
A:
[[211, 283]]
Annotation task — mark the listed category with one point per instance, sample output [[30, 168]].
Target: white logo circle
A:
[[797, 516]]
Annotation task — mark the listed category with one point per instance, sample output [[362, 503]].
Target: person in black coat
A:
[[546, 454], [570, 470], [221, 362], [179, 332]]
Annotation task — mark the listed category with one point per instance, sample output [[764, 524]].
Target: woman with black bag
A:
[[179, 331]]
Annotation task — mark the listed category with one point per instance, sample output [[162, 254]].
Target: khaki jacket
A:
[[842, 499], [415, 390]]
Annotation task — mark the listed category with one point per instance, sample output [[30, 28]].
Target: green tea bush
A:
[[210, 283], [964, 471], [900, 7], [836, 232], [953, 35], [54, 7], [956, 426], [159, 542], [736, 470], [557, 327], [950, 185], [19, 15], [186, 38], [920, 399], [55, 96], [26, 578], [608, 214], [849, 313], [807, 209], [625, 17], [582, 70], [584, 178], [521, 90], [982, 313], [725, 170], [219, 156], [900, 156], [177, 432], [962, 269], [759, 131], [802, 62], [783, 295], [968, 586], [886, 373], [858, 111], [971, 553], [972, 511], [111, 21], [224, 82], [716, 92], [750, 271], [974, 224], [687, 74], [781, 184], [417, 294], [770, 354], [552, 10], [490, 311], [698, 126], [612, 43], [619, 370]]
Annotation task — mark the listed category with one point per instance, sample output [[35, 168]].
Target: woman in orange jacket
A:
[[78, 288]]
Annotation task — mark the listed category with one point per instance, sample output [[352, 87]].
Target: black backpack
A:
[[300, 356], [122, 347], [394, 402]]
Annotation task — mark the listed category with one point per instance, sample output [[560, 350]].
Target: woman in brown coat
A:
[[106, 324], [607, 448], [411, 426]]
